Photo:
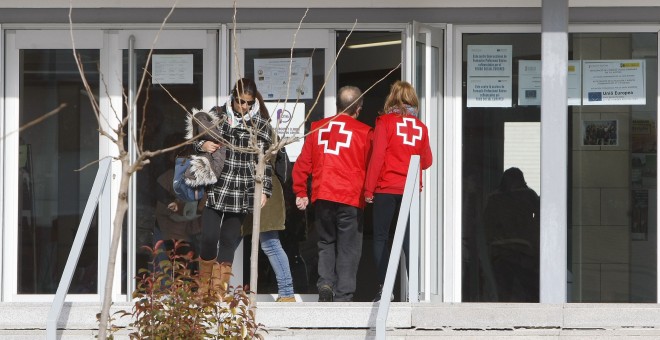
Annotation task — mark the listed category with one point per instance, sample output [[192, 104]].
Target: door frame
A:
[[280, 38], [432, 39], [15, 41], [206, 40], [110, 43]]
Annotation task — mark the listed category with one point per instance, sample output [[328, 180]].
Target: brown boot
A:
[[205, 275], [221, 277]]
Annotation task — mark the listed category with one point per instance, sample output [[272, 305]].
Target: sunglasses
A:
[[243, 101]]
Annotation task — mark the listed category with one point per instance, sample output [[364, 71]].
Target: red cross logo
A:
[[409, 130], [333, 137]]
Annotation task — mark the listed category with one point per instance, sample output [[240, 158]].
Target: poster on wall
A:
[[600, 132], [529, 83], [288, 119], [614, 82], [489, 76], [172, 69], [639, 229], [284, 78], [643, 134], [643, 170]]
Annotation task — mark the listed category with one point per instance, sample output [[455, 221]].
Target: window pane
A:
[[501, 125], [296, 243], [612, 175], [52, 194], [161, 112]]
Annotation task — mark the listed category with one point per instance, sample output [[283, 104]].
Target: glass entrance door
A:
[[426, 73], [294, 86], [50, 133], [371, 61], [46, 147], [162, 85]]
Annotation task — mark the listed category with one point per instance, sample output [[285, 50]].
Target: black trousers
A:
[[221, 235], [340, 246], [385, 212]]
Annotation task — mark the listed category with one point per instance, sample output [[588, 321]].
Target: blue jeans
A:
[[270, 244]]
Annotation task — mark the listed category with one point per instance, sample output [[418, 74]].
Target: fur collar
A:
[[201, 115]]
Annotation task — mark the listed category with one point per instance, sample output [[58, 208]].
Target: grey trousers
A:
[[340, 246]]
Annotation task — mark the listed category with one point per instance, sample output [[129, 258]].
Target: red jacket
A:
[[335, 154], [396, 138]]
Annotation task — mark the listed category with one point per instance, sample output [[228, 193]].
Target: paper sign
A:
[[284, 78], [614, 82], [289, 121], [172, 69], [529, 82], [489, 76]]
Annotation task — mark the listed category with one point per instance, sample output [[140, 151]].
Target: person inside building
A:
[[335, 155], [511, 220], [175, 220], [398, 135], [231, 198], [272, 221]]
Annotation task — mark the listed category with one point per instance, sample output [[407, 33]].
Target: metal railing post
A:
[[76, 248], [408, 200]]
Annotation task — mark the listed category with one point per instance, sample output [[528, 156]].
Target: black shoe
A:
[[325, 294], [380, 292]]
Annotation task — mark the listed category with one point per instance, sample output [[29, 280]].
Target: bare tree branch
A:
[[39, 119]]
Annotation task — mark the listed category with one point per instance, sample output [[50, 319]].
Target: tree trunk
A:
[[256, 228], [122, 207]]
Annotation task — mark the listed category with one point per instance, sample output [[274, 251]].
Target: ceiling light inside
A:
[[376, 44]]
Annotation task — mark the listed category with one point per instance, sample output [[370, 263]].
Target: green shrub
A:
[[169, 306]]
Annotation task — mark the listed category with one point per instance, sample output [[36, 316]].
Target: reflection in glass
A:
[[511, 223], [162, 122], [498, 266], [612, 228], [52, 193]]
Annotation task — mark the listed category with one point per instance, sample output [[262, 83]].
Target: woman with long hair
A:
[[398, 135], [230, 199]]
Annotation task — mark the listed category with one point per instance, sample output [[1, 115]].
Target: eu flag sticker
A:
[[595, 96]]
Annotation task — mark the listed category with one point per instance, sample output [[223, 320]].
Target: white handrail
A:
[[409, 202], [76, 248]]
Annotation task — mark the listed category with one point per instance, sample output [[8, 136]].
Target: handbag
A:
[[282, 166], [182, 190]]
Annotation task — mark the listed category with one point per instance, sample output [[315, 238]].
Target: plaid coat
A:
[[234, 190]]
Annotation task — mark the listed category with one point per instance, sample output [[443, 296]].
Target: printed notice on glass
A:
[[489, 92], [172, 68], [273, 75], [489, 60], [288, 119], [614, 82], [489, 76], [573, 82], [529, 82]]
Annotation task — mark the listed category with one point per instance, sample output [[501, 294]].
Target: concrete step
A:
[[313, 320]]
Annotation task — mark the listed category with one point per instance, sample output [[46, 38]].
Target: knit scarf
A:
[[235, 118], [409, 110]]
